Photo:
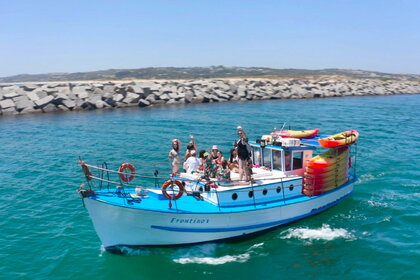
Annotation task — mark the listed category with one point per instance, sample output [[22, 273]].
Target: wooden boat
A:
[[128, 209], [341, 139], [296, 133]]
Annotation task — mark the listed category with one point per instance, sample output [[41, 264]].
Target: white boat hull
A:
[[118, 225]]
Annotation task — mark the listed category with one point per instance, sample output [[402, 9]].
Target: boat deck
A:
[[189, 204]]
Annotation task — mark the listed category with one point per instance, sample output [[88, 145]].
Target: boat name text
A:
[[189, 221]]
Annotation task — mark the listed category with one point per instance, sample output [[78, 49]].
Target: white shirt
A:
[[192, 164]]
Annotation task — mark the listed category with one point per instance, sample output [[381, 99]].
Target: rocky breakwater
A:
[[53, 97]]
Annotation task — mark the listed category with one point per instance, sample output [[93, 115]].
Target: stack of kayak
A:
[[326, 171], [330, 169]]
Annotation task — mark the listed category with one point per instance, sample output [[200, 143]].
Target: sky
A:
[[87, 35]]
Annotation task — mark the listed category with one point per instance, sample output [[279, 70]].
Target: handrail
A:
[[167, 178]]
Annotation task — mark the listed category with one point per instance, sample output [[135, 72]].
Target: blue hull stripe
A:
[[264, 225]]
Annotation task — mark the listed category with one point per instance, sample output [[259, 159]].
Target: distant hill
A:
[[197, 73]]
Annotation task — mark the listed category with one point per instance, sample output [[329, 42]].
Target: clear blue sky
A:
[[87, 35]]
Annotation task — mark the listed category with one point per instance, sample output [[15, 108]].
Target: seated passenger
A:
[[214, 151], [233, 161], [219, 158], [192, 164], [224, 172]]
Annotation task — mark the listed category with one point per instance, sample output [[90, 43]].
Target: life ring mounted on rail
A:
[[171, 184], [122, 173]]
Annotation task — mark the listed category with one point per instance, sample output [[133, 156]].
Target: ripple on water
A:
[[47, 234]]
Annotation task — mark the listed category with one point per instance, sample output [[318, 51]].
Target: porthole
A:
[[264, 192], [278, 190], [251, 194], [291, 187], [234, 196]]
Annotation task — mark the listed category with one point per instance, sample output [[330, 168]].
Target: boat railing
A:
[[105, 178]]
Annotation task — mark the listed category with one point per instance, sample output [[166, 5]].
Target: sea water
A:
[[45, 233]]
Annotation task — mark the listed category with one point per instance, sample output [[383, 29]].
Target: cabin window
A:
[[287, 160], [267, 158], [256, 156], [276, 159], [297, 160]]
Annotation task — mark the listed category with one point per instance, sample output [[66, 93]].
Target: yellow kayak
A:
[[297, 133], [342, 139]]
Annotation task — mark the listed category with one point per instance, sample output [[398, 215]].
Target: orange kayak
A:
[[342, 139], [297, 133]]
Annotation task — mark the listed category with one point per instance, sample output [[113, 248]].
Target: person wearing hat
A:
[[192, 163], [174, 156], [214, 151]]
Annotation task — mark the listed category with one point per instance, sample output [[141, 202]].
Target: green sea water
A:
[[45, 233]]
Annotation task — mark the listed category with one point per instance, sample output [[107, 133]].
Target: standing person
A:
[[174, 156], [192, 146], [243, 154]]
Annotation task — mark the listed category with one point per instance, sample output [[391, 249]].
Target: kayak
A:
[[328, 159], [297, 133], [342, 139], [318, 191]]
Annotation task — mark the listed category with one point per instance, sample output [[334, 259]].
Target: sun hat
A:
[[215, 147]]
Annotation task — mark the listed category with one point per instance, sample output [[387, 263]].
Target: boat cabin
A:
[[289, 156]]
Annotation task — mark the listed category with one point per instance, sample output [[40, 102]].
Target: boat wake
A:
[[215, 261], [325, 233], [201, 256]]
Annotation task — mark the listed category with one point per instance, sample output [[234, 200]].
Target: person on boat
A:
[[214, 151], [243, 154], [192, 164], [192, 146], [224, 172], [207, 165], [233, 160], [202, 159], [174, 156], [220, 158]]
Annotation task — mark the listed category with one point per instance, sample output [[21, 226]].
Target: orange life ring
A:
[[172, 183], [124, 167]]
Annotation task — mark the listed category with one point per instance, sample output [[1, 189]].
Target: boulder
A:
[[49, 108], [41, 94], [118, 97], [144, 103], [164, 97], [41, 103], [131, 98], [63, 108], [9, 111], [188, 97], [20, 105], [20, 98], [30, 110], [100, 104], [11, 94], [136, 88], [7, 103], [151, 98], [68, 103]]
